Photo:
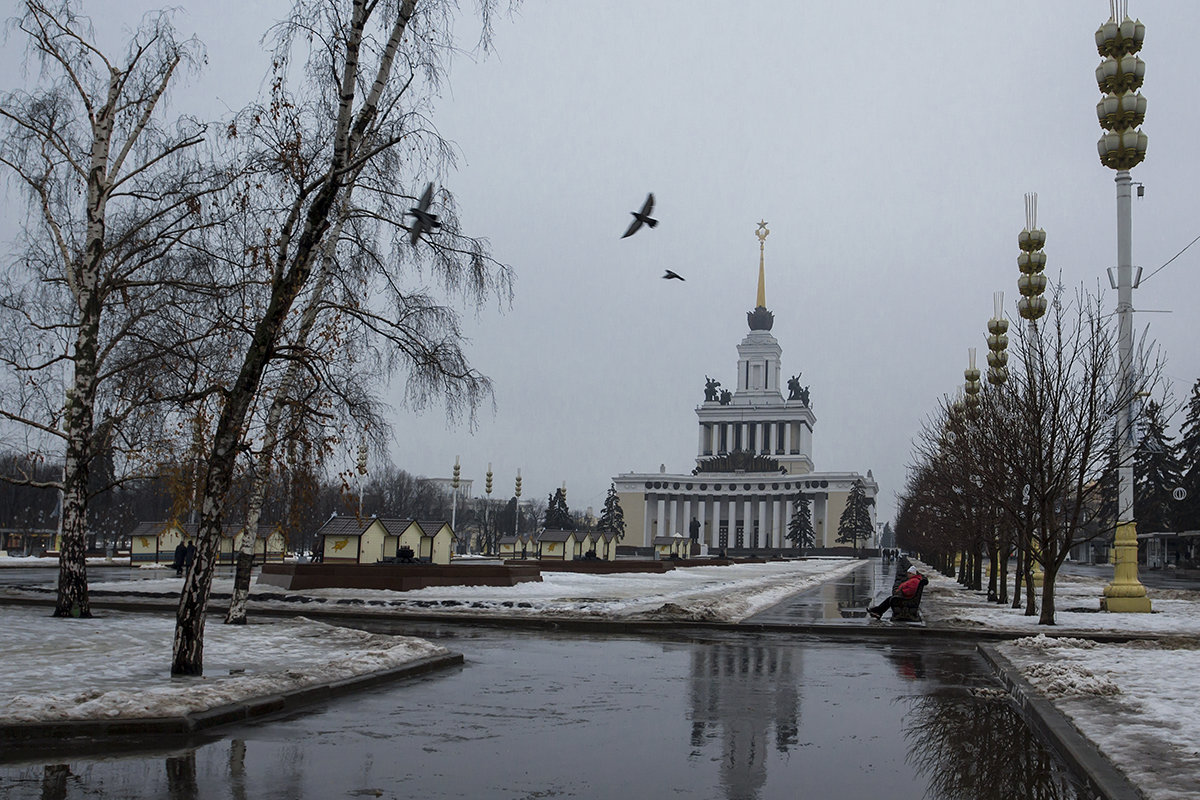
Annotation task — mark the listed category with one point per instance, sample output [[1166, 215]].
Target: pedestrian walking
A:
[[180, 556]]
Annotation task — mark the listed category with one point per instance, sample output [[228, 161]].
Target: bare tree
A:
[[343, 132], [112, 189]]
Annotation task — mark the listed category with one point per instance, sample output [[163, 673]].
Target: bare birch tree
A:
[[345, 129], [112, 189]]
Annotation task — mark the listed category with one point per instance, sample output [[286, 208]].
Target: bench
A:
[[907, 609]]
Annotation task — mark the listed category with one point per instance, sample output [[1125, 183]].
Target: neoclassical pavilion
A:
[[754, 455]]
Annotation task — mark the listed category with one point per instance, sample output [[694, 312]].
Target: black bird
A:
[[642, 216], [668, 275], [424, 222]]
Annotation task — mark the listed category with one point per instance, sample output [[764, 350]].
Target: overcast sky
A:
[[888, 146]]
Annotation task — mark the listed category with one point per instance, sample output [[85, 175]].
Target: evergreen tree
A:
[[800, 528], [558, 516], [612, 518], [855, 524], [1188, 518], [1157, 474]]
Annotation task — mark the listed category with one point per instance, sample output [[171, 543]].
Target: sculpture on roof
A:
[[710, 389], [726, 397], [794, 387]]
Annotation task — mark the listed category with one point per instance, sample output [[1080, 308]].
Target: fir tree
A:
[[612, 518], [855, 524], [1189, 461], [800, 528], [558, 516], [1157, 474]]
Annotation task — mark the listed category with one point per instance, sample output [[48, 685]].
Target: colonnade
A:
[[734, 520], [763, 438]]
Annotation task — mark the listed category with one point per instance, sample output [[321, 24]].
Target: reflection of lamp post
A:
[[1121, 148]]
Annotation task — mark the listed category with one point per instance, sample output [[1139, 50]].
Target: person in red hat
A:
[[908, 588]]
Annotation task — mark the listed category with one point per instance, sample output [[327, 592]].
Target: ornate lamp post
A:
[[997, 342], [487, 487], [1121, 148], [1032, 307], [454, 501], [517, 510]]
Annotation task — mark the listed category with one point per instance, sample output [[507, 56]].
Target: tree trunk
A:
[[1049, 573], [1018, 575]]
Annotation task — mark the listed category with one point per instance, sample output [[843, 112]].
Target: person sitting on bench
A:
[[906, 590]]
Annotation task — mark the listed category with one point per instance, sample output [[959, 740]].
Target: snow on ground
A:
[[1077, 609], [718, 593], [120, 663], [1138, 702], [7, 560]]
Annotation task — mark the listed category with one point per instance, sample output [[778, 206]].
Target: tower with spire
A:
[[754, 457]]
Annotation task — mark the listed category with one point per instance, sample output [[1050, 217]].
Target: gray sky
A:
[[888, 145]]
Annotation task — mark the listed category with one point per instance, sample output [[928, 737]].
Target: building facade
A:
[[754, 457]]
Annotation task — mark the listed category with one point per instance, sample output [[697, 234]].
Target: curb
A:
[[1098, 773], [22, 739]]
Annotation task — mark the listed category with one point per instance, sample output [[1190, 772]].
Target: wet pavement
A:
[[836, 600], [709, 715]]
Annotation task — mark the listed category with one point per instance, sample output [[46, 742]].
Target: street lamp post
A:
[[1122, 147], [487, 487], [454, 498], [1032, 307]]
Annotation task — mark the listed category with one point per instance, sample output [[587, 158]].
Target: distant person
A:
[[906, 589], [190, 555], [180, 557]]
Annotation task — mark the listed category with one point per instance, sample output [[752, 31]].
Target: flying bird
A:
[[643, 216], [668, 275], [424, 222]]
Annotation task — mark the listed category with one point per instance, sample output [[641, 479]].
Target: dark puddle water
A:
[[560, 716]]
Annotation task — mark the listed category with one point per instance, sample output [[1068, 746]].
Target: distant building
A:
[[754, 455]]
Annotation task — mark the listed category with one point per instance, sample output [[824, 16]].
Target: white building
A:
[[754, 455]]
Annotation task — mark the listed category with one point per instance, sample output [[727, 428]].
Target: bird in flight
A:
[[424, 222], [643, 216], [668, 275]]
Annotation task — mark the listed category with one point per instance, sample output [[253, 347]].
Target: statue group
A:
[[796, 391], [710, 389]]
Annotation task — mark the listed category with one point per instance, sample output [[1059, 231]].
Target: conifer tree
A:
[[1189, 461], [1157, 474], [855, 524], [612, 518], [558, 516], [800, 528]]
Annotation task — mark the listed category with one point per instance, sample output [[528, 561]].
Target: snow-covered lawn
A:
[[117, 665], [728, 593], [1137, 702], [1077, 608]]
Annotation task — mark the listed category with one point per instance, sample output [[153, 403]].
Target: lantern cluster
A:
[[997, 342], [1123, 108], [972, 387], [1031, 262]]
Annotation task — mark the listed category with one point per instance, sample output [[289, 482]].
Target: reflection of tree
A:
[[54, 781], [979, 748], [738, 691], [181, 777], [237, 769]]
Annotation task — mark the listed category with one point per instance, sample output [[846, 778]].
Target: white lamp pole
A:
[[454, 499], [1121, 148]]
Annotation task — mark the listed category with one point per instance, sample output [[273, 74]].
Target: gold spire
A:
[[762, 234]]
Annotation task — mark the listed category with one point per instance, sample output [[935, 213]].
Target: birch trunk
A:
[[84, 279], [298, 256], [245, 558]]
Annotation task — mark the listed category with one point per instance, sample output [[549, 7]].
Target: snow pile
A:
[[241, 662], [1044, 642], [1063, 680]]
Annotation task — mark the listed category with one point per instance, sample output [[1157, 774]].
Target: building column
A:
[[789, 508], [787, 438], [672, 517], [715, 431], [701, 507], [646, 518], [764, 528], [747, 520], [662, 516], [732, 514], [703, 438]]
